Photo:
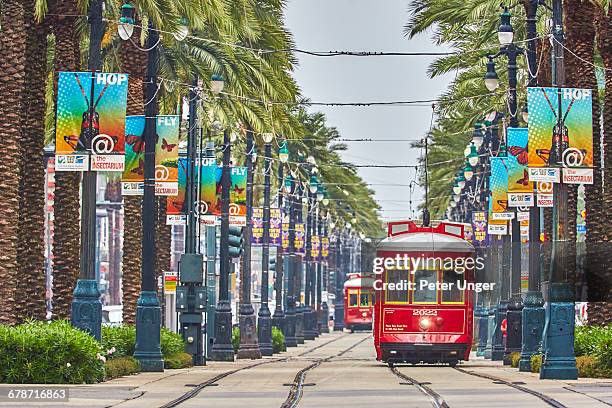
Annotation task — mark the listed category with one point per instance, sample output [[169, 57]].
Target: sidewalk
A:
[[155, 389], [571, 393]]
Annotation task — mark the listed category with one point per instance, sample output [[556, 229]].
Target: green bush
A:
[[536, 363], [236, 338], [278, 340], [120, 366], [45, 353], [514, 359], [595, 341], [123, 340], [587, 366], [178, 360]]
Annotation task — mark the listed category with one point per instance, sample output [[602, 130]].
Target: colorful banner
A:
[[499, 185], [166, 155], [520, 189], [176, 210], [238, 180], [257, 226], [480, 236], [90, 107], [285, 233], [324, 247], [132, 180], [275, 226], [315, 247], [207, 204], [300, 234], [576, 136]]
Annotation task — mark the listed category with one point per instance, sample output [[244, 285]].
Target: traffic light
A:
[[235, 241], [272, 264]]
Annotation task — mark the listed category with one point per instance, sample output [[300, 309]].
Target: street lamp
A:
[[477, 136], [290, 312], [264, 322], [249, 346], [525, 114], [313, 186], [182, 31], [217, 84], [468, 172], [473, 157], [491, 79], [505, 33], [461, 181], [283, 152], [125, 27]]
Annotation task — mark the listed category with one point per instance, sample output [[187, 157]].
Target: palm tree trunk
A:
[[66, 207], [31, 282], [580, 38], [12, 84], [134, 63]]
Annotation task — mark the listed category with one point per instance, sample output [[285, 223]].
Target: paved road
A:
[[338, 370]]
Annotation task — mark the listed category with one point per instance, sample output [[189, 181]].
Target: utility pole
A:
[[148, 311], [86, 313], [559, 361], [222, 348], [191, 294], [533, 310], [308, 329], [264, 322], [297, 271], [249, 346], [211, 278], [340, 268]]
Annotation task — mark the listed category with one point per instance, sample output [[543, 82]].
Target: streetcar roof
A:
[[425, 241], [359, 282]]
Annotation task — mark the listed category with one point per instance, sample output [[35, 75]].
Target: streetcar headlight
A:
[[364, 314], [425, 323]]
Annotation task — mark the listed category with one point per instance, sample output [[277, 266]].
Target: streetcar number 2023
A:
[[424, 312]]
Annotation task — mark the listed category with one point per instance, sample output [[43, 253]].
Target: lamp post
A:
[[278, 319], [264, 322], [290, 334], [249, 347], [222, 349], [297, 268], [148, 312], [86, 308], [533, 307], [309, 333], [515, 305], [339, 283], [559, 361], [324, 325]]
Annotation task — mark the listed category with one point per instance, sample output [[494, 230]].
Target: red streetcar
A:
[[358, 302], [424, 307]]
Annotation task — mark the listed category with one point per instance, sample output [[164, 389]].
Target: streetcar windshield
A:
[[450, 290], [396, 293], [423, 291]]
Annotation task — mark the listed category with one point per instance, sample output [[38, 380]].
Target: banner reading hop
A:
[[90, 107], [520, 189], [300, 230], [575, 136], [166, 155], [176, 212]]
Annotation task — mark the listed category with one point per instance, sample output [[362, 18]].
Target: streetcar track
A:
[[196, 390], [297, 388], [436, 399], [550, 401]]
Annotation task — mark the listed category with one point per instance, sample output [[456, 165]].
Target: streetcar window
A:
[[352, 299], [450, 291], [365, 299], [423, 293], [398, 292]]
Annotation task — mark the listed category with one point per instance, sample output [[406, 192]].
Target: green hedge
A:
[[178, 360], [594, 341], [120, 366], [119, 341], [48, 353], [278, 340], [515, 358]]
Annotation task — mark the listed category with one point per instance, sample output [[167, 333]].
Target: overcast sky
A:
[[368, 25]]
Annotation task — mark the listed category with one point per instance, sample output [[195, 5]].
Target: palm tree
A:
[[31, 280], [13, 47]]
